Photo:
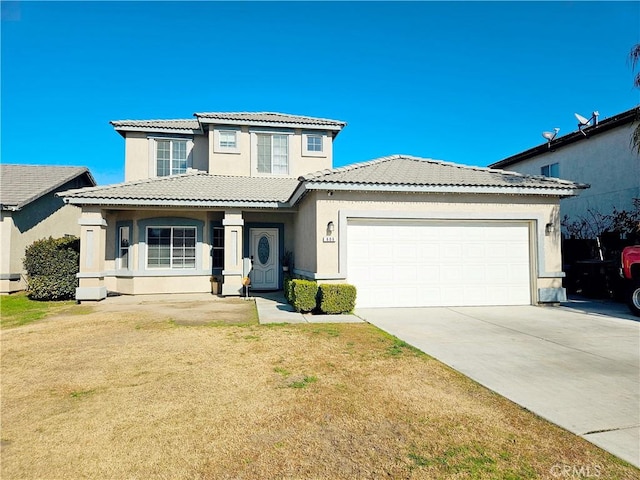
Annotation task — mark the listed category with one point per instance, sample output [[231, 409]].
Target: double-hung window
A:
[[273, 154], [227, 139], [171, 247], [171, 156]]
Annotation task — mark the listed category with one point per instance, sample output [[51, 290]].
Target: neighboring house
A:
[[30, 210], [599, 155], [202, 195]]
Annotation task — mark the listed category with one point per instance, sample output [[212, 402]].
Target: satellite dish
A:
[[551, 135], [583, 121]]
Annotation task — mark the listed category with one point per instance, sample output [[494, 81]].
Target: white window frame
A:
[[255, 154], [153, 144], [218, 146], [305, 144], [550, 169], [172, 260], [124, 248]]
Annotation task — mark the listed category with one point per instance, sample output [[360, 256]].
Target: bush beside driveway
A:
[[133, 392]]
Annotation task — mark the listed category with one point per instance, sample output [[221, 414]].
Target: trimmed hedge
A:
[[286, 285], [336, 298], [52, 265], [303, 295]]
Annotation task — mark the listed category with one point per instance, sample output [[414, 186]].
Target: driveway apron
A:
[[579, 371]]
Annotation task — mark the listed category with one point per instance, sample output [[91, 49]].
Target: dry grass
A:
[[134, 395]]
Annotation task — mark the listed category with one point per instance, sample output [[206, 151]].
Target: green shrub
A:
[[338, 298], [288, 293], [304, 293], [52, 265]]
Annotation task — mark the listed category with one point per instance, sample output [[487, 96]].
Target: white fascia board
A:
[[173, 203], [253, 123], [563, 192], [151, 130]]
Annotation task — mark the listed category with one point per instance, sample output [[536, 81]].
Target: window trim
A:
[[153, 153], [323, 144], [550, 170], [254, 152], [172, 247], [217, 269], [118, 247], [218, 148], [164, 222]]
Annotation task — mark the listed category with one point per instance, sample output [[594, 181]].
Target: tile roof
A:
[[186, 125], [404, 170], [198, 189], [22, 184], [270, 118]]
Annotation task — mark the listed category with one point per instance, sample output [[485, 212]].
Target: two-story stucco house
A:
[[30, 211], [600, 155], [201, 195]]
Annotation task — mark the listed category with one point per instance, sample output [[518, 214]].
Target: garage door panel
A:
[[439, 263]]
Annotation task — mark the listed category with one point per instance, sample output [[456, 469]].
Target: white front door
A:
[[264, 252]]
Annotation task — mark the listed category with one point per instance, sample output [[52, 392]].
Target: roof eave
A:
[[565, 191], [75, 200], [605, 125], [216, 121], [181, 131]]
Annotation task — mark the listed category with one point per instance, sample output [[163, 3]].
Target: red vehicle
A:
[[631, 271]]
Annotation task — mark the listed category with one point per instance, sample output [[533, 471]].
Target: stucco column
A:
[[9, 277], [233, 237], [93, 228]]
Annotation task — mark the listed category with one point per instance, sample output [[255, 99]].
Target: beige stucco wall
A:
[[140, 280], [205, 156], [136, 156], [237, 163], [140, 154], [21, 228], [605, 161], [317, 209]]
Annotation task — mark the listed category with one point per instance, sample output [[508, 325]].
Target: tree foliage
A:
[[634, 58]]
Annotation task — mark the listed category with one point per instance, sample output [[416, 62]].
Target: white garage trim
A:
[[539, 222], [418, 263]]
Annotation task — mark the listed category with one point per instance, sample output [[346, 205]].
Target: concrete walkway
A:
[[579, 370], [273, 308]]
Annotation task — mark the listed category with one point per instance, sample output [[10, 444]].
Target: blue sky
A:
[[470, 83]]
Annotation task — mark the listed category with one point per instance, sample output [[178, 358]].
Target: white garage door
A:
[[422, 264]]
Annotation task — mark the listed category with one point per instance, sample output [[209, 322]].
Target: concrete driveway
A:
[[577, 369]]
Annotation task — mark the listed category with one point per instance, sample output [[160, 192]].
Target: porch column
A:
[[93, 228], [233, 237]]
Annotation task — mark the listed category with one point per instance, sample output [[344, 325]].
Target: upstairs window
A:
[[227, 139], [551, 170], [273, 154], [171, 157], [314, 143]]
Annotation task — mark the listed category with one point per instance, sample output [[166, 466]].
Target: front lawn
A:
[[17, 309], [138, 395]]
